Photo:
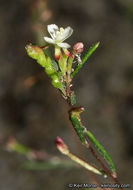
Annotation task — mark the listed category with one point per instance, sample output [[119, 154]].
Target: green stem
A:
[[84, 164]]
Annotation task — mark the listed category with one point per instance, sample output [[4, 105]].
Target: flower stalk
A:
[[63, 148]]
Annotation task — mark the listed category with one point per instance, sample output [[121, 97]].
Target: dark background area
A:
[[35, 115]]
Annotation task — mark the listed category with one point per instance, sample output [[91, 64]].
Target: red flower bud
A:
[[61, 146], [78, 47]]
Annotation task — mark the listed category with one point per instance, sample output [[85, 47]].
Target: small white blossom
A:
[[58, 35]]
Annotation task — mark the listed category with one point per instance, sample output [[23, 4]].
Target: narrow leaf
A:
[[84, 59], [78, 128], [75, 119], [89, 52], [101, 150]]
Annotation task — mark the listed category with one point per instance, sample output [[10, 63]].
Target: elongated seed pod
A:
[[37, 53]]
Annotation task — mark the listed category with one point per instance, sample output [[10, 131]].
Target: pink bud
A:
[[59, 142], [61, 146], [78, 47]]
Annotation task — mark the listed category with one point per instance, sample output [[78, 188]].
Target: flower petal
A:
[[49, 40], [52, 28], [64, 35], [64, 45]]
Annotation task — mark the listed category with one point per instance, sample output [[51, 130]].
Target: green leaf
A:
[[101, 150], [89, 52], [84, 59], [78, 128], [75, 119]]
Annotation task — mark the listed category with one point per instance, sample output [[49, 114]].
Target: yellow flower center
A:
[[59, 32]]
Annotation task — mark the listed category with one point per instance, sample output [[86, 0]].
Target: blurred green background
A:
[[33, 112]]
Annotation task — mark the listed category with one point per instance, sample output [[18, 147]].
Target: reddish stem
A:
[[44, 47], [115, 179]]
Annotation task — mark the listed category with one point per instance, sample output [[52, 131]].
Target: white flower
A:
[[58, 35]]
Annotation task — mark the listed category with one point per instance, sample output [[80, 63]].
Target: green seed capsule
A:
[[49, 69], [56, 81], [42, 60], [36, 53]]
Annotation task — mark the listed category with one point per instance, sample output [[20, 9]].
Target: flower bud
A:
[[78, 47], [61, 146]]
